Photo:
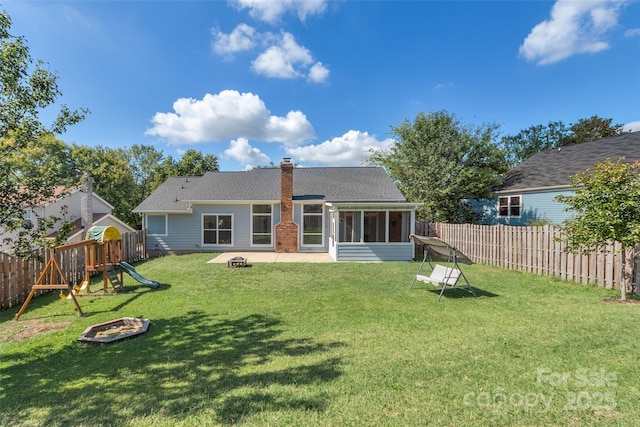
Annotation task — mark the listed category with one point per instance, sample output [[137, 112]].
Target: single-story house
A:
[[528, 191], [352, 213], [84, 208]]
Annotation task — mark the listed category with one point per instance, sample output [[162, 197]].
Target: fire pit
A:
[[114, 330], [237, 261]]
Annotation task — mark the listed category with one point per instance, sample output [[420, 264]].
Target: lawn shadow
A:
[[38, 302], [456, 293], [228, 368], [133, 293]]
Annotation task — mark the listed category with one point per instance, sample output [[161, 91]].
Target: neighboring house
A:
[[83, 207], [353, 213], [528, 190]]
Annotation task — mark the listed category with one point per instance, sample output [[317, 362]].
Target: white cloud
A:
[[240, 150], [442, 86], [274, 63], [272, 10], [228, 114], [318, 73], [632, 32], [350, 149], [241, 39], [281, 58], [632, 126], [574, 27], [285, 60]]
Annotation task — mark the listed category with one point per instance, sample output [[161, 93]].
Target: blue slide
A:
[[128, 268]]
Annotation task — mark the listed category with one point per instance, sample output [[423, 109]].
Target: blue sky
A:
[[323, 82]]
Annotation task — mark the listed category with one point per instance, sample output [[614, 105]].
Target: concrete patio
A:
[[257, 257]]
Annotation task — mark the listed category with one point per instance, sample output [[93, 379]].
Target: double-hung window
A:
[[509, 206], [217, 229], [312, 224], [261, 221]]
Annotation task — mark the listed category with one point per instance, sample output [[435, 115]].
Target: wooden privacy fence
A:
[[18, 275], [538, 250]]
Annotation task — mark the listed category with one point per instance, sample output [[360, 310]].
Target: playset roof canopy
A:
[[103, 233]]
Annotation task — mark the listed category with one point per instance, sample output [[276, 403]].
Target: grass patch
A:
[[326, 344]]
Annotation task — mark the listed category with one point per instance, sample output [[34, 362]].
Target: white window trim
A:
[[509, 206], [208, 245], [255, 245], [166, 224], [321, 215]]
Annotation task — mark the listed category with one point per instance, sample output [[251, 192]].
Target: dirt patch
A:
[[12, 331]]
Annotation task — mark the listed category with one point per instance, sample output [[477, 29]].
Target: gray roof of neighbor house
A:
[[331, 184], [554, 168]]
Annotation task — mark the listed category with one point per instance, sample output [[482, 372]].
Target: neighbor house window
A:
[[216, 229], [509, 206], [28, 218], [157, 225], [312, 224], [261, 221]]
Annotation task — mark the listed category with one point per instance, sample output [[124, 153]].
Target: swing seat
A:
[[441, 275], [447, 277]]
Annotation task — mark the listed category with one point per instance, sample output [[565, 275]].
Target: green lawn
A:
[[326, 345]]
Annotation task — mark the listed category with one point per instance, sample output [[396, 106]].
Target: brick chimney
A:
[[86, 202], [286, 230]]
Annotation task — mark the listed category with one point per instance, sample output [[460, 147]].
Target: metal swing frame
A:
[[446, 277]]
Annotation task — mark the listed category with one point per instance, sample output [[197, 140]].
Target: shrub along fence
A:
[[18, 275], [538, 250]]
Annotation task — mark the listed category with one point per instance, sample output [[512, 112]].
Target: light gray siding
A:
[[372, 252], [541, 205], [535, 205], [185, 230]]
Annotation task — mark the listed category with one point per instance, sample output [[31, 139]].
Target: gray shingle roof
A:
[[339, 184], [554, 168], [355, 184], [170, 196]]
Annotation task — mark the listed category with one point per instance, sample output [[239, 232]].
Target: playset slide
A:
[[128, 268]]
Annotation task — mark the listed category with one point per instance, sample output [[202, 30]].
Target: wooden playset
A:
[[102, 251]]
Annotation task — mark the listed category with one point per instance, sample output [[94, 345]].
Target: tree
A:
[[25, 90], [112, 177], [144, 162], [593, 128], [269, 165], [440, 162], [607, 206], [537, 138], [44, 155], [192, 163]]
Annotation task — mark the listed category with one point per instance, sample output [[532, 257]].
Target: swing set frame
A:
[[100, 255]]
